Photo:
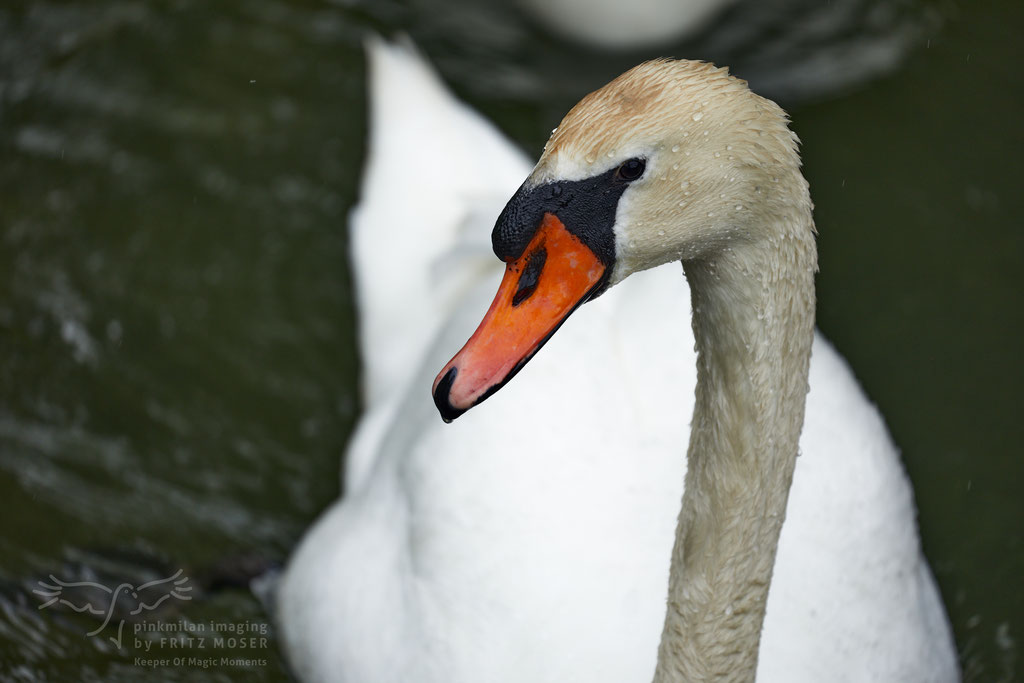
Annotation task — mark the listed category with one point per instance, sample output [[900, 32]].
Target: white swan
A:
[[531, 539], [620, 25]]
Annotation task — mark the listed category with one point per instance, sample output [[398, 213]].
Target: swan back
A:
[[433, 168]]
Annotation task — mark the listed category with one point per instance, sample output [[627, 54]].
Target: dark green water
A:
[[178, 373]]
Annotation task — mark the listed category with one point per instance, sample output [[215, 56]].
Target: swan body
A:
[[531, 540], [618, 25]]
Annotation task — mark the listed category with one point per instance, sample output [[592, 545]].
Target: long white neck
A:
[[753, 320]]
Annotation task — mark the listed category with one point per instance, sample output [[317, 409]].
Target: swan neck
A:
[[753, 321]]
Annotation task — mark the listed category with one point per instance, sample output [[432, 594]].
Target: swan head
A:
[[674, 160]]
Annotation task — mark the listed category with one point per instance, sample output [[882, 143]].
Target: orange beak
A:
[[555, 274]]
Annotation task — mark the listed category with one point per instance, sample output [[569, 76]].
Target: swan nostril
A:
[[441, 396], [531, 275]]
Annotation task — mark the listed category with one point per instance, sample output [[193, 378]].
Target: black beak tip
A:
[[447, 410]]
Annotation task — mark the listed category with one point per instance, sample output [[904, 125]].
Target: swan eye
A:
[[631, 169]]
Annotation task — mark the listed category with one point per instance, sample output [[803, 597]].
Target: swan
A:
[[531, 538], [617, 25]]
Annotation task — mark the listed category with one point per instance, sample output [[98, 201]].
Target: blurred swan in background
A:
[[791, 51], [531, 541], [615, 24]]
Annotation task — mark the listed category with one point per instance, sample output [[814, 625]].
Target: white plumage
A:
[[530, 540]]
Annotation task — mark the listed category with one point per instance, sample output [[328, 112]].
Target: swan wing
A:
[[435, 170]]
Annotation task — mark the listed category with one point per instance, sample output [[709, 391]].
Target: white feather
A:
[[530, 540]]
